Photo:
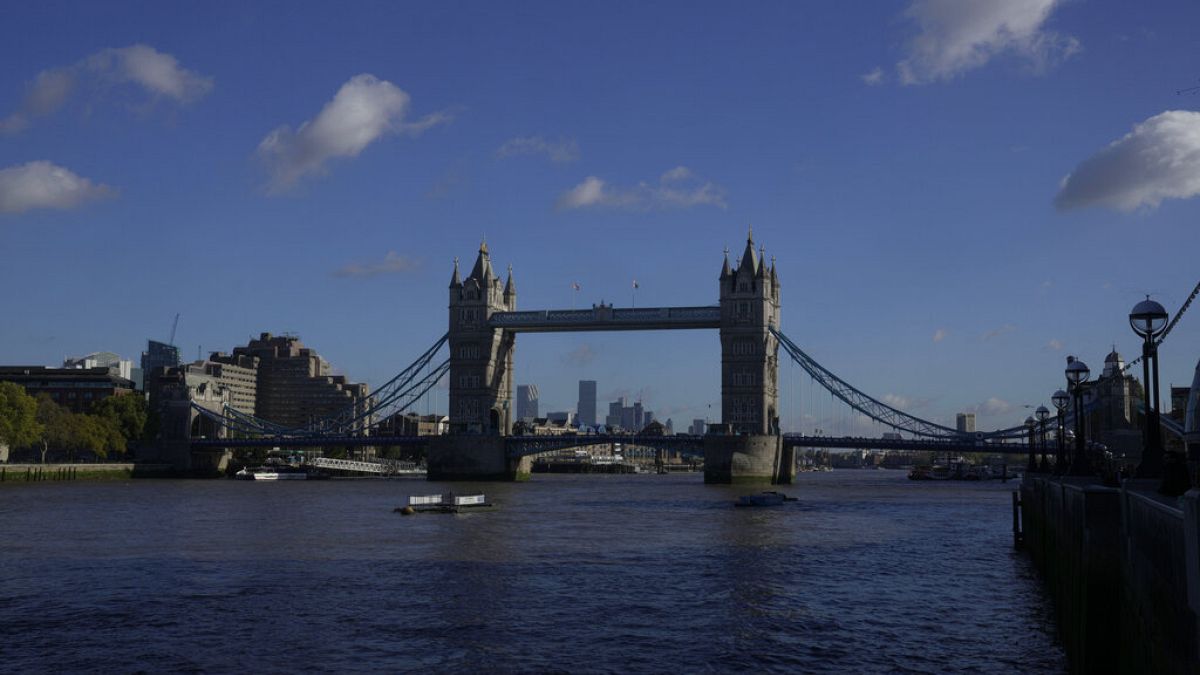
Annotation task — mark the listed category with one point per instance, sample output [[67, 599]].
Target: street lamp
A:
[[1060, 399], [1032, 467], [1042, 413], [1149, 320], [1077, 373]]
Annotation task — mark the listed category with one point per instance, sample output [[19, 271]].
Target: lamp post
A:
[[1032, 466], [1060, 399], [1077, 373], [1149, 320], [1042, 413]]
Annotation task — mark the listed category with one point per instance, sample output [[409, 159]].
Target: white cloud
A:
[[1054, 345], [43, 185], [956, 36], [364, 109], [582, 355], [677, 188], [994, 406], [156, 72], [153, 70], [1159, 159], [561, 151], [392, 263], [897, 401], [997, 332], [939, 335], [873, 78]]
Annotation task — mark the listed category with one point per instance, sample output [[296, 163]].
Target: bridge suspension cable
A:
[[874, 408]]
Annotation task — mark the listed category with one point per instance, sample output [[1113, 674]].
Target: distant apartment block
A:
[[965, 423], [295, 386], [237, 374]]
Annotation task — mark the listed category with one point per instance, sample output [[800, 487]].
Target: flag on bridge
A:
[[635, 283], [575, 285]]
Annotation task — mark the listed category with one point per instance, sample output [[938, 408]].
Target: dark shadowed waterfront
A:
[[868, 572]]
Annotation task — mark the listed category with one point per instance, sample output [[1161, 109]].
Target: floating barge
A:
[[445, 503], [767, 498]]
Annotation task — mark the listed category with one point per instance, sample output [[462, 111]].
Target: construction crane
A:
[[174, 326]]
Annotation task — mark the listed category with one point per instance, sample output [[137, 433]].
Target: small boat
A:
[[444, 503], [767, 498]]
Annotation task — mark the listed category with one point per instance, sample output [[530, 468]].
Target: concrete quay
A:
[[1123, 568]]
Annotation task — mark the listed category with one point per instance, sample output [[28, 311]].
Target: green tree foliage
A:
[[19, 426], [128, 413], [75, 433]]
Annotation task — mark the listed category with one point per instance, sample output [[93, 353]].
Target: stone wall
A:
[[1123, 569], [747, 459]]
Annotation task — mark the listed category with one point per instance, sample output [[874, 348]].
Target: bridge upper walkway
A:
[[606, 317]]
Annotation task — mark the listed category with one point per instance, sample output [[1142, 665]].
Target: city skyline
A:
[[914, 188]]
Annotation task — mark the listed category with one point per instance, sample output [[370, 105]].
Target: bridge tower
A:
[[749, 353], [750, 449], [481, 357], [481, 387]]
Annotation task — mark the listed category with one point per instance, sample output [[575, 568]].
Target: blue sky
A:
[[316, 168]]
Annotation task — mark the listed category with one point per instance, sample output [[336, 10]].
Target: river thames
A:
[[867, 572]]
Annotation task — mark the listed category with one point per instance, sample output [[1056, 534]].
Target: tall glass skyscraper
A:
[[585, 412], [527, 401]]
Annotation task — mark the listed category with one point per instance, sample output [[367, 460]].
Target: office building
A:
[[158, 357], [527, 401], [698, 427], [75, 389], [585, 411], [118, 367], [965, 423]]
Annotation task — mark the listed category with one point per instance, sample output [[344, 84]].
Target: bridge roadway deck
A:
[[605, 317], [531, 445]]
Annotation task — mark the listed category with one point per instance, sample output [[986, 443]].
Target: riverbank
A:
[[1123, 567], [26, 473]]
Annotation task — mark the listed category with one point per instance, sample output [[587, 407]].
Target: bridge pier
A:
[[748, 459], [474, 457]]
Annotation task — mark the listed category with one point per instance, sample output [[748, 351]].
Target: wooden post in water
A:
[[1018, 536]]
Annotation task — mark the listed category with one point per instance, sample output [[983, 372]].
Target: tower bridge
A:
[[484, 321]]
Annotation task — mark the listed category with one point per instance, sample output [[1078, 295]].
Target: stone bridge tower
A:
[[749, 352], [481, 357], [750, 449]]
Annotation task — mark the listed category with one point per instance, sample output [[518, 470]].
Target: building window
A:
[[743, 310]]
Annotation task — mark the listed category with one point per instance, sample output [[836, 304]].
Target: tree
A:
[[128, 413], [54, 421], [72, 433], [19, 426]]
